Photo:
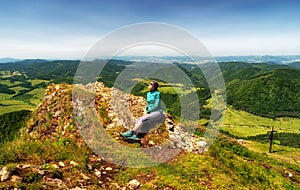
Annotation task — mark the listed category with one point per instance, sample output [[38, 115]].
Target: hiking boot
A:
[[133, 137], [127, 134]]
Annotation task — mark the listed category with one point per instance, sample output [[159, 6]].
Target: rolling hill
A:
[[270, 93]]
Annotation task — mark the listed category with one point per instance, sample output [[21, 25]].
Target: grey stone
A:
[[4, 174]]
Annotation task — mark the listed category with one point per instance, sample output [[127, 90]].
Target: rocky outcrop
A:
[[54, 116], [123, 109]]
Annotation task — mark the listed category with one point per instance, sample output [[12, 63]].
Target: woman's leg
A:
[[144, 123]]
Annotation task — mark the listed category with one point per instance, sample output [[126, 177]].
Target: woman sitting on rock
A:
[[153, 117]]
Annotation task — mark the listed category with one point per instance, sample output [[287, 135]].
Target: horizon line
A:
[[105, 57]]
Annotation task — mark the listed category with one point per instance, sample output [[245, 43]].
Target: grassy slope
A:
[[243, 125], [227, 165]]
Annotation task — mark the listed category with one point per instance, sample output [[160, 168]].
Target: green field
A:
[[27, 92], [286, 154], [167, 88], [37, 81], [243, 124], [17, 89], [255, 130], [177, 90], [14, 105]]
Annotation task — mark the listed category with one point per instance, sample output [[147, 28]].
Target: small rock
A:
[[41, 172], [97, 173], [74, 163], [57, 87], [133, 184], [112, 125], [4, 174], [61, 164], [26, 166], [55, 181], [15, 178], [110, 115], [202, 144], [55, 166], [108, 169], [89, 167], [290, 175], [84, 176]]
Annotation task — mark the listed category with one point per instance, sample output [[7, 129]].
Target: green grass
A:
[[245, 131], [5, 72], [227, 165], [6, 75], [17, 89], [286, 154], [27, 101], [4, 96], [14, 105], [37, 95], [243, 124], [43, 153], [8, 83], [176, 88], [38, 81], [10, 124]]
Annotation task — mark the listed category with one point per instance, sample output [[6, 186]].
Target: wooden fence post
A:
[[271, 139]]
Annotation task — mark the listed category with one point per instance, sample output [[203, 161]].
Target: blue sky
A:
[[69, 28]]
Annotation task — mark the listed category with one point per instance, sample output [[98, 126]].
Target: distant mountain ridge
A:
[[282, 59], [8, 60], [273, 59]]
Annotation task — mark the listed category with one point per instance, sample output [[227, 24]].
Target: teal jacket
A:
[[153, 100]]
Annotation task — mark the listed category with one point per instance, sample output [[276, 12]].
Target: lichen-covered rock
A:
[[133, 184], [4, 174]]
